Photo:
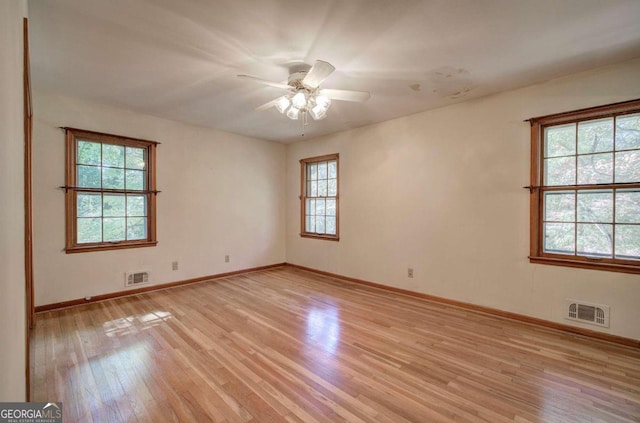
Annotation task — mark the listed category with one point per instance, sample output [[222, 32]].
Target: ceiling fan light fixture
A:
[[304, 96], [299, 100], [318, 112], [283, 103], [293, 113], [323, 101]]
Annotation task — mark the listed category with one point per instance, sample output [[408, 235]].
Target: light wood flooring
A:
[[288, 345]]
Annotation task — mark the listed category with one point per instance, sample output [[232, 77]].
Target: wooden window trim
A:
[[303, 203], [536, 253], [72, 135]]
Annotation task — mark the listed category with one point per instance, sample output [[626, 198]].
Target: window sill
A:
[[611, 267], [104, 247], [318, 236]]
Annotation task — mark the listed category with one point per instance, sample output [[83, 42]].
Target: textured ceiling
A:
[[178, 59]]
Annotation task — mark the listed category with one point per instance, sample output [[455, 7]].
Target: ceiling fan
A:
[[304, 96]]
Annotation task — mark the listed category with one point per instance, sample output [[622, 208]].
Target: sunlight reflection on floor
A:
[[134, 324], [323, 328]]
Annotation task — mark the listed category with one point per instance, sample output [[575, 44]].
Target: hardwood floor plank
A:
[[286, 345]]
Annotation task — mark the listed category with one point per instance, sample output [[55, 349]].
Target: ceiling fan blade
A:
[[267, 105], [265, 82], [318, 73], [346, 95]]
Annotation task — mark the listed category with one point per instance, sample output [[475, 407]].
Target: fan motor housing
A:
[[297, 72], [295, 78]]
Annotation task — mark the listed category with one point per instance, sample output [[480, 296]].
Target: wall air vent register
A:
[[594, 314], [136, 278]]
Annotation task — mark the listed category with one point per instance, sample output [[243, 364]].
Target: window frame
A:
[[71, 190], [303, 197], [537, 189]]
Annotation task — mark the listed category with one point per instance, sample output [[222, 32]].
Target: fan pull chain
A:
[[304, 121]]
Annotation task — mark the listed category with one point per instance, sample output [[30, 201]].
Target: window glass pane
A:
[[332, 191], [320, 207], [112, 155], [112, 178], [311, 224], [560, 140], [313, 171], [595, 169], [560, 171], [319, 224], [627, 206], [331, 207], [109, 207], [135, 179], [330, 225], [628, 132], [595, 239], [333, 169], [89, 205], [322, 187], [595, 136], [628, 241], [591, 199], [311, 206], [114, 229], [114, 205], [136, 205], [137, 228], [559, 238], [88, 153], [89, 230], [595, 206], [88, 177], [560, 206], [628, 166], [135, 158], [322, 170]]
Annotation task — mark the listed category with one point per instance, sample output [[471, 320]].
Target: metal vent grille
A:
[[136, 278], [586, 312], [600, 319], [595, 314]]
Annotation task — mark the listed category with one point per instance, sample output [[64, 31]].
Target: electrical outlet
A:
[[410, 272], [226, 258], [174, 265]]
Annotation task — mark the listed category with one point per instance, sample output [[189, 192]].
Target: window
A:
[[585, 188], [319, 197], [110, 192]]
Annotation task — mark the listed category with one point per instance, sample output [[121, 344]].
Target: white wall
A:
[[12, 277], [221, 194], [441, 192]]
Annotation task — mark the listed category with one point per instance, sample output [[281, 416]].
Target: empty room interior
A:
[[321, 211]]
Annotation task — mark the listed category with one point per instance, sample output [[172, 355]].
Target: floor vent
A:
[[595, 314], [136, 278]]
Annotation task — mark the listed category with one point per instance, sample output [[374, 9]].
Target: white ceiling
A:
[[178, 59]]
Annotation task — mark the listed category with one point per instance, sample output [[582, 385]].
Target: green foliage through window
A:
[[110, 166], [109, 187], [592, 214], [321, 190]]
